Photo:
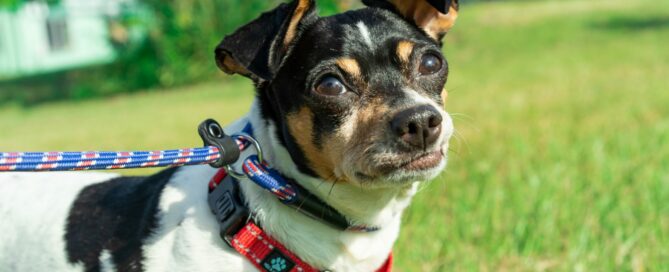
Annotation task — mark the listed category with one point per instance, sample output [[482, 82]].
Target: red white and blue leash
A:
[[253, 166], [105, 160]]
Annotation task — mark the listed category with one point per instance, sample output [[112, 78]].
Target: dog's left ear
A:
[[257, 49], [434, 17]]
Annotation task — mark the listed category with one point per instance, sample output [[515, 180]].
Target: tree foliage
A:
[[13, 4]]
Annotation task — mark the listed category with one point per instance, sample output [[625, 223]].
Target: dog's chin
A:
[[403, 171]]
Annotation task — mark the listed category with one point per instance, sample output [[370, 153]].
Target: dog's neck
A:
[[312, 240]]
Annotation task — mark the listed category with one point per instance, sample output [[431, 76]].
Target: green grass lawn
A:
[[562, 157]]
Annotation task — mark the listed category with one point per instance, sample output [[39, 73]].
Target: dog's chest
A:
[[187, 238]]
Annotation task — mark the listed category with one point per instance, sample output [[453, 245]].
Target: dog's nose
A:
[[418, 126]]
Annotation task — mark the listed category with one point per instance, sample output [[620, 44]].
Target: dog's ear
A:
[[434, 17], [257, 49]]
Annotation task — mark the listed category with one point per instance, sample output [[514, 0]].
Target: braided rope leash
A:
[[263, 175], [105, 160]]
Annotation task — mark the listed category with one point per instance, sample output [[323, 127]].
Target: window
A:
[[56, 29]]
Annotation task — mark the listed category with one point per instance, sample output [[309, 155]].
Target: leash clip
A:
[[241, 137], [213, 135]]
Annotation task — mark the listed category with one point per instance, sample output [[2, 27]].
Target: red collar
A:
[[268, 255], [260, 249]]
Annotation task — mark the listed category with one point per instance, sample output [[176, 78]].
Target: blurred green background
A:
[[79, 49], [561, 160]]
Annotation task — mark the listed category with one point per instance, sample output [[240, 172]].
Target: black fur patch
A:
[[117, 216]]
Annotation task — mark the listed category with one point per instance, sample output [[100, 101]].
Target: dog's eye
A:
[[330, 86], [429, 64]]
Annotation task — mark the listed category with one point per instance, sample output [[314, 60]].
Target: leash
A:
[[225, 198], [219, 150], [105, 160]]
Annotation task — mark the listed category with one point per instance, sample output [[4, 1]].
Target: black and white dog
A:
[[349, 106]]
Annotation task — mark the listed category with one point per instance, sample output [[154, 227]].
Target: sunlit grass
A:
[[562, 159]]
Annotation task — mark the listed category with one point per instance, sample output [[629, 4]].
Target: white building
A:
[[36, 38]]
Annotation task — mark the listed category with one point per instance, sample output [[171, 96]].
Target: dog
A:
[[350, 107]]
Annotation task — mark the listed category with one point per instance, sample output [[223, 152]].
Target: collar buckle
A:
[[227, 204]]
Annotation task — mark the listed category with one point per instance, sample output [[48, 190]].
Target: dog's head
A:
[[355, 97]]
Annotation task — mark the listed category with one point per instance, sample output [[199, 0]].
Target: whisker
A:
[[461, 140], [461, 116], [331, 188]]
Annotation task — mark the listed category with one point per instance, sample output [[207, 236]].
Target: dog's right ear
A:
[[257, 49], [434, 17]]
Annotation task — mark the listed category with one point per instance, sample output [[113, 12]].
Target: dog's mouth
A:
[[424, 161], [404, 168]]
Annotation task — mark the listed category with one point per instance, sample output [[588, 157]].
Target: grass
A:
[[562, 157]]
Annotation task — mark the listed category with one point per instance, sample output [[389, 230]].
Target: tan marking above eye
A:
[[350, 66], [404, 50]]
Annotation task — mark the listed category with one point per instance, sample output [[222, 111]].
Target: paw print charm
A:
[[277, 264]]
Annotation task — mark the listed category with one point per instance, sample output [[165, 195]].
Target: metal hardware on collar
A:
[[213, 135], [256, 145]]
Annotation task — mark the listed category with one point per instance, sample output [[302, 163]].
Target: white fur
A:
[[187, 237], [364, 32], [34, 209], [106, 262]]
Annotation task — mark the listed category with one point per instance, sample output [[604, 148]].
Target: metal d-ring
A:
[[232, 172]]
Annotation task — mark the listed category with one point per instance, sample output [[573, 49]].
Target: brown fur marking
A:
[[367, 125], [404, 50], [344, 145], [231, 66], [350, 66], [427, 17], [302, 7], [301, 126]]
